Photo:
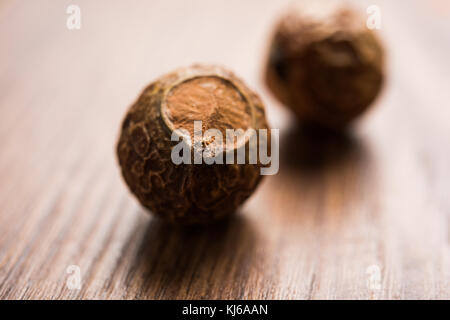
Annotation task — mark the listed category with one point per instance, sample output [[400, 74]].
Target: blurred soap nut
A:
[[324, 63], [190, 193]]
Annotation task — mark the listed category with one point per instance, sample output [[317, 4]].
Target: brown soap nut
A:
[[189, 193], [325, 64]]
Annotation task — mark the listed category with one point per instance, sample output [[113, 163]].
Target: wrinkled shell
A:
[[184, 193], [325, 64]]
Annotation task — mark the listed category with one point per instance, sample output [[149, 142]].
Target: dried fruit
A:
[[325, 64], [189, 193]]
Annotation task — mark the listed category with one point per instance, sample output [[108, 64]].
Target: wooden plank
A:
[[341, 211]]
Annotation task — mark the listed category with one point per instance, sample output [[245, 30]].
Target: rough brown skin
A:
[[325, 64], [188, 193]]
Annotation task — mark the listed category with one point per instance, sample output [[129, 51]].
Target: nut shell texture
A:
[[188, 193], [325, 64]]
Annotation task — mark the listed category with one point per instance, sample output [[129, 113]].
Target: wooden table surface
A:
[[366, 216]]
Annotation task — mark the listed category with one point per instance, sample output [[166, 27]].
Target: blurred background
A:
[[342, 212]]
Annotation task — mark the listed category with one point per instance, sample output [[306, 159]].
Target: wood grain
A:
[[339, 209]]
